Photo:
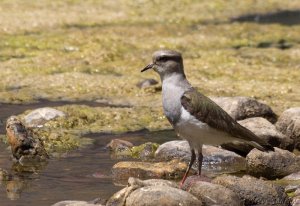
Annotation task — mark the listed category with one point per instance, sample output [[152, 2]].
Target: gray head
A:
[[166, 62]]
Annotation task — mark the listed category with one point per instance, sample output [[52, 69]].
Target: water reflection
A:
[[20, 177]]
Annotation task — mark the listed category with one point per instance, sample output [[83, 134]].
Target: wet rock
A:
[[120, 148], [119, 144], [289, 124], [254, 191], [145, 151], [267, 131], [272, 165], [23, 142], [39, 117], [165, 170], [75, 203], [215, 159], [146, 83], [245, 107], [210, 194], [159, 192]]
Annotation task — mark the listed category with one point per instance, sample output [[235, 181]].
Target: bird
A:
[[194, 116]]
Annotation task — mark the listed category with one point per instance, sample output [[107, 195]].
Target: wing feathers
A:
[[205, 110]]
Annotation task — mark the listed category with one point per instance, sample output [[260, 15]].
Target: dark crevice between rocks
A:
[[284, 17], [7, 110]]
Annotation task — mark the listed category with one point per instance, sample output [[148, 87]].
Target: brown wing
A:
[[207, 111]]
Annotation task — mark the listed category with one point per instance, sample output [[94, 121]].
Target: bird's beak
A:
[[149, 66]]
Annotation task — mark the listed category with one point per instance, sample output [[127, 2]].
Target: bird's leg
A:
[[200, 158], [193, 158]]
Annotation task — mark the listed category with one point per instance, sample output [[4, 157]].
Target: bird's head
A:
[[166, 62]]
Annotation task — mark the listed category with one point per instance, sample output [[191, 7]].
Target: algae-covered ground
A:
[[89, 50]]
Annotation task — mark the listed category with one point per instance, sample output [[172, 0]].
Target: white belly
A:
[[198, 133]]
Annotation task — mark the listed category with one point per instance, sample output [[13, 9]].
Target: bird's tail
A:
[[262, 146]]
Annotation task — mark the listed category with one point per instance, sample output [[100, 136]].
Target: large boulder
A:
[[209, 194], [245, 107], [39, 117], [289, 124], [272, 165], [215, 159], [166, 170], [254, 191], [151, 193]]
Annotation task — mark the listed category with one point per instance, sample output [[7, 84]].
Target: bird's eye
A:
[[162, 59]]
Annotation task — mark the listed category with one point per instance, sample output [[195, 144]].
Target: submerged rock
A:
[[272, 165], [211, 194], [165, 170], [215, 159], [23, 142], [151, 192], [289, 124], [254, 191], [245, 107]]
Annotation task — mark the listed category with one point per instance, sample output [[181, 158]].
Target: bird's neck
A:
[[173, 88]]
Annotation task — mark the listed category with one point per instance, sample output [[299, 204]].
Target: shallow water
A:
[[83, 174]]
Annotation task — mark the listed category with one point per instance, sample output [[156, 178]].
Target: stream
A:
[[84, 174]]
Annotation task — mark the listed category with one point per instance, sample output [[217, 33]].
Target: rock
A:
[[289, 124], [75, 203], [245, 107], [119, 144], [293, 177], [254, 191], [165, 170], [145, 151], [215, 159], [296, 198], [23, 142], [161, 195], [272, 165], [209, 194], [146, 83], [267, 131], [151, 192], [39, 117], [3, 175], [120, 148]]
